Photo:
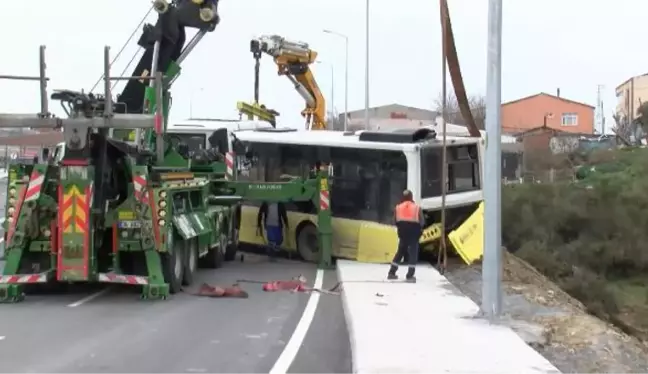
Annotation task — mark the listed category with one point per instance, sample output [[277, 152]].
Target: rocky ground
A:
[[555, 324]]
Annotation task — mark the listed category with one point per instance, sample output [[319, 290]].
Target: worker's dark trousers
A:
[[408, 248]]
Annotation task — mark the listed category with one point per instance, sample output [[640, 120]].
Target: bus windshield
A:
[[463, 169], [195, 141]]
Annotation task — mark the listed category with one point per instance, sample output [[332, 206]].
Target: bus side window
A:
[[393, 183], [347, 194], [292, 160]]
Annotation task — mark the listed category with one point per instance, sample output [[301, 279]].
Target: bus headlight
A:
[[124, 234], [162, 213], [163, 195], [47, 233], [12, 201], [161, 222], [12, 192], [11, 210], [162, 204]]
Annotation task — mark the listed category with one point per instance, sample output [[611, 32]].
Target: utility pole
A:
[[600, 116]]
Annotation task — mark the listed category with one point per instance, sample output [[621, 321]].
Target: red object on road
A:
[[291, 285]]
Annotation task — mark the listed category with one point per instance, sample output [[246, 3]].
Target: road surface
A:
[[108, 329]]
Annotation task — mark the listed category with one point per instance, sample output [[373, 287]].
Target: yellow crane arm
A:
[[293, 59]]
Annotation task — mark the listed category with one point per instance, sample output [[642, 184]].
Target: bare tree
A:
[[477, 105]]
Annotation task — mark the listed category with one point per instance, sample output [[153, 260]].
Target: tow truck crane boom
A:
[[165, 48], [293, 59]]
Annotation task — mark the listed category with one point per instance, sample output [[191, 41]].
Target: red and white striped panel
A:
[[123, 279], [34, 187], [229, 162], [324, 201], [23, 278], [139, 184]]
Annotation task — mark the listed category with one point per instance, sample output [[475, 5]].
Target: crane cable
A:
[[124, 47]]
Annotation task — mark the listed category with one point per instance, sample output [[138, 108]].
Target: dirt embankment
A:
[[571, 338]]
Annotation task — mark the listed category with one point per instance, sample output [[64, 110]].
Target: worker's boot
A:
[[272, 253], [392, 273], [410, 278]]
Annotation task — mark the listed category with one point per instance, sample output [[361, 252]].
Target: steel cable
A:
[[124, 47]]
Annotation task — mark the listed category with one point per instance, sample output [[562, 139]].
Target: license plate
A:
[[130, 224]]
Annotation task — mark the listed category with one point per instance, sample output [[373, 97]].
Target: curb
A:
[[349, 322]]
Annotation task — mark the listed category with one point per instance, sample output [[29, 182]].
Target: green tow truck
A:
[[118, 208]]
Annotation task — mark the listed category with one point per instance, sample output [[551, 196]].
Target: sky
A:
[[574, 45]]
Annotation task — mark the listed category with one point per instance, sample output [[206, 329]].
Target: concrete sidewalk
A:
[[427, 327]]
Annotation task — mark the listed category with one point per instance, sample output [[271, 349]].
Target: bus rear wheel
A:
[[307, 243]]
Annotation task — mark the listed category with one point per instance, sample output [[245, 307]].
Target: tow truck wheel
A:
[[173, 265], [232, 248], [215, 257], [307, 244], [190, 262]]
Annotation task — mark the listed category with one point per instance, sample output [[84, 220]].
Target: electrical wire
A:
[[124, 46]]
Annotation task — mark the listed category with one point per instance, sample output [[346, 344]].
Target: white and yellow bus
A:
[[196, 132], [369, 171]]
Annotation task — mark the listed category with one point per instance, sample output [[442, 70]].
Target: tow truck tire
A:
[[215, 257], [232, 248], [307, 244], [190, 262], [173, 265]]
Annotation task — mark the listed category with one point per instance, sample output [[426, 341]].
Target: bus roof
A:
[[216, 124], [337, 139]]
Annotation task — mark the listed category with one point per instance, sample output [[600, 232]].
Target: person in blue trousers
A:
[[272, 217]]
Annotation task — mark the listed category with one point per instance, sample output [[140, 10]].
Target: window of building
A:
[[569, 119]]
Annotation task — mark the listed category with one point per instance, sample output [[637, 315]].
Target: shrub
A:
[[582, 234]]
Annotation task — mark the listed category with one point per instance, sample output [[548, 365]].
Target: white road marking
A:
[[292, 348], [88, 298]]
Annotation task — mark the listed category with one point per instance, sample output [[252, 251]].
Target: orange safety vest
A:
[[407, 211]]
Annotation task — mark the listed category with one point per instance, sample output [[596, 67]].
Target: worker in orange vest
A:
[[409, 224]]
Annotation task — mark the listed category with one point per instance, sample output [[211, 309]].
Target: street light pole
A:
[[492, 263], [331, 102], [346, 75], [367, 65], [332, 89]]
